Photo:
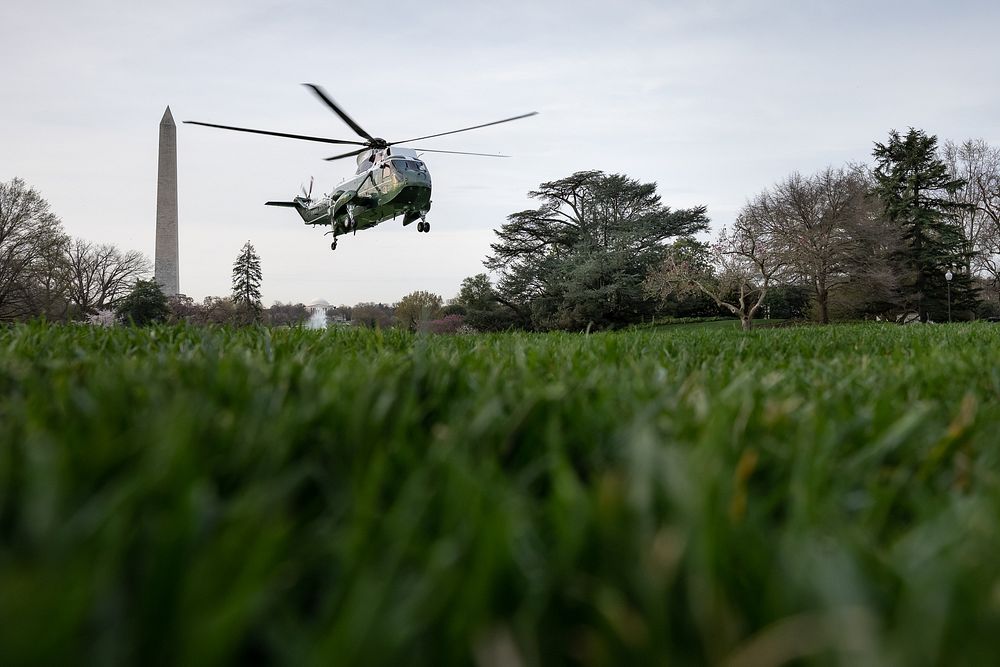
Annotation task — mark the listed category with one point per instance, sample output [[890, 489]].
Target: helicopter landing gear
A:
[[352, 222], [423, 225], [333, 246]]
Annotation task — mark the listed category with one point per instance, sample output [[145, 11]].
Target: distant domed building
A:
[[317, 304]]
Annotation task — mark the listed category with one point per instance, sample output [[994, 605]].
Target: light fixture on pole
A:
[[948, 276]]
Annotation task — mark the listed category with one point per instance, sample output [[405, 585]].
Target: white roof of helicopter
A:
[[394, 151], [403, 152]]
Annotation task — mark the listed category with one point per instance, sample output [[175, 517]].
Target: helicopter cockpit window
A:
[[408, 165]]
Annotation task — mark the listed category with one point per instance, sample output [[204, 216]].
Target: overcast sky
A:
[[714, 101]]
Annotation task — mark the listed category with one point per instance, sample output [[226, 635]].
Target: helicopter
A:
[[390, 180]]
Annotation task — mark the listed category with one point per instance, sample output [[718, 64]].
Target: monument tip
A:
[[167, 119]]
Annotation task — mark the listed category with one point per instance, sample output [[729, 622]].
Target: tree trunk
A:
[[822, 298], [747, 322]]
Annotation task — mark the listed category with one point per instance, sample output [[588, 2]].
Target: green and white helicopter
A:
[[390, 180]]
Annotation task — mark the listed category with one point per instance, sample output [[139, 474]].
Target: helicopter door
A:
[[384, 177]]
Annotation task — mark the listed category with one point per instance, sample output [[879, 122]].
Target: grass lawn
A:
[[714, 325], [683, 496]]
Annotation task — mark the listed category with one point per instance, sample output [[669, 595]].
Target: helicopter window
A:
[[408, 165]]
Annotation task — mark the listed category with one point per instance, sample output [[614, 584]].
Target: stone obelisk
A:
[[166, 263]]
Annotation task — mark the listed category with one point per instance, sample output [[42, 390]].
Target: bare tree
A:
[[48, 287], [28, 233], [743, 263], [372, 315], [978, 164], [101, 275], [813, 221]]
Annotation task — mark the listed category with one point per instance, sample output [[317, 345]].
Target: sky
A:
[[714, 101]]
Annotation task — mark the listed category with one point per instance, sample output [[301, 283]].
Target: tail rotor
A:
[[307, 194]]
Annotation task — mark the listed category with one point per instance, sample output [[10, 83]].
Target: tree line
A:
[[46, 273], [918, 233]]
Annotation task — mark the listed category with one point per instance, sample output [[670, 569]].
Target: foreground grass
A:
[[194, 496]]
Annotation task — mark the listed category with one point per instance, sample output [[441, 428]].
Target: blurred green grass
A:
[[694, 496]]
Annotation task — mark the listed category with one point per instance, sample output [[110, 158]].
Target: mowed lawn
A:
[[693, 496]]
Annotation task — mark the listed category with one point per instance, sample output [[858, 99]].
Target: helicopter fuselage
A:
[[385, 187]]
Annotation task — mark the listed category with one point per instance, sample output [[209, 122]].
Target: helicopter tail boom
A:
[[310, 214]]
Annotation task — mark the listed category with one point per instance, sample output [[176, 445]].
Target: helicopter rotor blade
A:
[[304, 137], [321, 94], [431, 150], [351, 154], [465, 129]]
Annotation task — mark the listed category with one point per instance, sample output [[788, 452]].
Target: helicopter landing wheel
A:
[[421, 225], [333, 246], [427, 227]]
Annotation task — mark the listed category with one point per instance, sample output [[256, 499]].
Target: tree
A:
[[145, 304], [977, 164], [741, 266], [287, 314], [372, 315], [101, 275], [47, 288], [582, 255], [246, 283], [875, 287], [481, 308], [813, 221], [919, 196], [417, 308], [31, 237]]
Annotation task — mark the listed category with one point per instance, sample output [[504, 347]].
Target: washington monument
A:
[[166, 261]]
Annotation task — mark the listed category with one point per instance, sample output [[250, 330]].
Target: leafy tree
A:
[[919, 196], [481, 308], [246, 283], [416, 308], [144, 305], [31, 239], [786, 302], [582, 255], [453, 308]]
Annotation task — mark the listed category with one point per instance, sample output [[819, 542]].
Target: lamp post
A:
[[948, 276]]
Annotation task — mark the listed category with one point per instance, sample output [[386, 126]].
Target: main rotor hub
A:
[[378, 142]]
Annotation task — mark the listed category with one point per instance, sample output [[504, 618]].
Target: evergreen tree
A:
[[916, 190], [582, 256], [246, 283], [145, 304]]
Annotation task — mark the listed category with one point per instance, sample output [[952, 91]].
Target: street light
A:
[[948, 276]]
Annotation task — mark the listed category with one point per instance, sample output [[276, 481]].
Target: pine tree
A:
[[246, 282], [915, 188]]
